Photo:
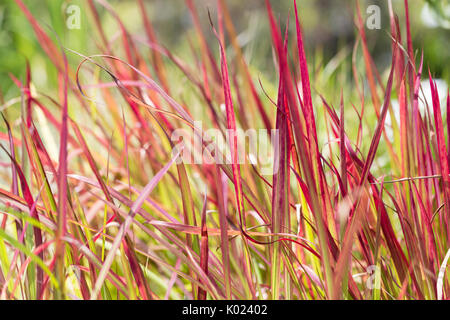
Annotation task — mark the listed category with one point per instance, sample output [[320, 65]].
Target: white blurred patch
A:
[[431, 18], [252, 159], [300, 89], [388, 121], [425, 95], [424, 99]]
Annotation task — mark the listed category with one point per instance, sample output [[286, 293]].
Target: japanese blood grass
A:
[[117, 215]]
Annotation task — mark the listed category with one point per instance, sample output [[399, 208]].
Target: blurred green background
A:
[[328, 26]]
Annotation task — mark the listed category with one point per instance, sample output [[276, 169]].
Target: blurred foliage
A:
[[328, 25], [441, 8]]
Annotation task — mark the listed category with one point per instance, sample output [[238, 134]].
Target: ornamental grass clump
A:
[[129, 180]]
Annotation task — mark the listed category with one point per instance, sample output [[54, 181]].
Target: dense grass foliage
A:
[[99, 203]]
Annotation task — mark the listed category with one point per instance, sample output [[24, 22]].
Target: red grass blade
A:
[[33, 213], [231, 126], [204, 250], [342, 148], [442, 149]]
